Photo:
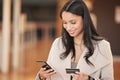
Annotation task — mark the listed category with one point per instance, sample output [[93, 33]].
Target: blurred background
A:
[[28, 28]]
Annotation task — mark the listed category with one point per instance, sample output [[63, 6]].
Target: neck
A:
[[78, 40]]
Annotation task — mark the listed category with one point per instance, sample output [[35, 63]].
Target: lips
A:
[[71, 32]]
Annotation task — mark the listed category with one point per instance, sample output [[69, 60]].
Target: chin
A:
[[72, 35]]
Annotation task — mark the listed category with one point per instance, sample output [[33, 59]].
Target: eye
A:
[[73, 22], [64, 22]]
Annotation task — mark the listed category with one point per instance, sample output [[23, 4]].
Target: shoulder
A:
[[57, 43], [103, 43], [58, 39], [104, 48], [56, 48]]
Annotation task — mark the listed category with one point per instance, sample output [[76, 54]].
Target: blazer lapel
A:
[[97, 59]]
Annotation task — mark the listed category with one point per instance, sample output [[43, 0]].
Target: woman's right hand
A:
[[43, 73]]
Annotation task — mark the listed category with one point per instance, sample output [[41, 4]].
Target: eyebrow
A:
[[69, 20]]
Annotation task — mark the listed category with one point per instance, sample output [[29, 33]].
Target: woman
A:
[[80, 46]]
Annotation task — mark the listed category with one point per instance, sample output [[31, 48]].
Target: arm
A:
[[42, 73], [103, 61], [106, 72]]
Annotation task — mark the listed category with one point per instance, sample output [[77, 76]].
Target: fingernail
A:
[[44, 68], [51, 69]]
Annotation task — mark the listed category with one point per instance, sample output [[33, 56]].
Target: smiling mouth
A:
[[71, 32]]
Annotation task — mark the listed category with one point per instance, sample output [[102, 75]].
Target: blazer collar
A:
[[97, 59]]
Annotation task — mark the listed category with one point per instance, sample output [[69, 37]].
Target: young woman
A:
[[80, 46]]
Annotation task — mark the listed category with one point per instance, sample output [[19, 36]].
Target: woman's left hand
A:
[[80, 76]]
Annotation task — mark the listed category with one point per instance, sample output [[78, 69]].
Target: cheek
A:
[[79, 28], [80, 25], [64, 26]]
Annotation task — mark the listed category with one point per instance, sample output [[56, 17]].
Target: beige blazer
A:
[[102, 60]]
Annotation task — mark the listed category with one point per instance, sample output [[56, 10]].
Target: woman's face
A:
[[72, 23]]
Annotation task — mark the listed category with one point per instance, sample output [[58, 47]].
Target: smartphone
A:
[[45, 65], [69, 70]]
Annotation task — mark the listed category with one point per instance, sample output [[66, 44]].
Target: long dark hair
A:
[[79, 8]]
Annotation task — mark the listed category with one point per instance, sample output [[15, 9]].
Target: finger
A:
[[42, 69], [49, 70], [77, 76], [51, 73], [42, 73], [77, 73], [48, 74], [80, 76]]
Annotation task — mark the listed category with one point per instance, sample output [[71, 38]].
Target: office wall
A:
[[106, 24]]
